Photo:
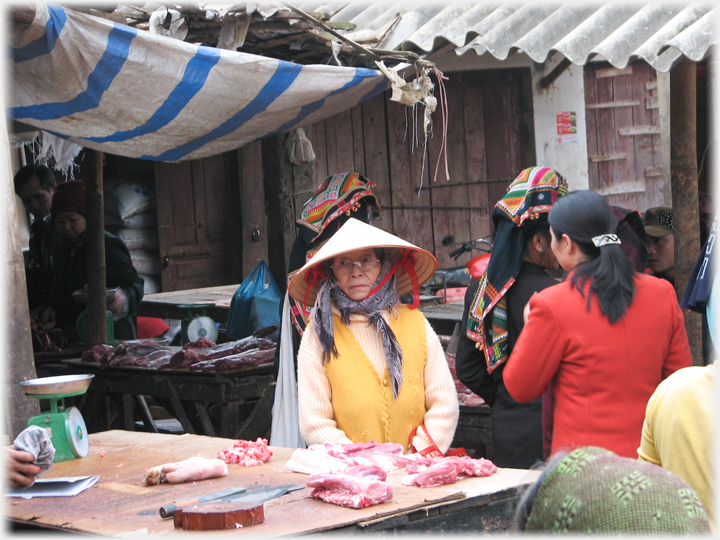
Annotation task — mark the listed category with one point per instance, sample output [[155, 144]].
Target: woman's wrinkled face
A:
[[69, 225], [356, 272]]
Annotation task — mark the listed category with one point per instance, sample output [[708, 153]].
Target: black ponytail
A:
[[583, 215]]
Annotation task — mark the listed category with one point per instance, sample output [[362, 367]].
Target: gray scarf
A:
[[371, 307]]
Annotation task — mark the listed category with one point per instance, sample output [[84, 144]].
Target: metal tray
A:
[[61, 384], [81, 296]]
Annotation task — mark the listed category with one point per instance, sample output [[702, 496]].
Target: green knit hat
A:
[[593, 490]]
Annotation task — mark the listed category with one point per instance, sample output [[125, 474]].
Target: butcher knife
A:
[[167, 512], [263, 494]]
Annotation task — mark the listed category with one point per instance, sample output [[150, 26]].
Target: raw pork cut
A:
[[308, 461], [183, 359], [331, 457], [94, 354], [350, 491], [369, 472], [199, 343], [246, 453], [190, 470], [437, 471], [133, 353]]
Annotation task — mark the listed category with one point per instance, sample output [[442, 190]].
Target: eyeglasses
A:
[[344, 266]]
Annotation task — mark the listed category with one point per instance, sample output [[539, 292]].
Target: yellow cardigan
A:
[[317, 418]]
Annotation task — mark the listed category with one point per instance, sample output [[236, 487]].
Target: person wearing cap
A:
[[70, 267], [604, 338], [593, 491], [35, 185], [369, 367], [661, 242], [493, 312]]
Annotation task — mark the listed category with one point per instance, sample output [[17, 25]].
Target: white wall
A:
[[567, 93]]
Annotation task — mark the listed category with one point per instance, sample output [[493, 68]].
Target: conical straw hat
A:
[[354, 235]]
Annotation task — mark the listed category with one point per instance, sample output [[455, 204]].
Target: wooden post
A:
[[252, 207], [278, 175], [15, 315], [97, 306], [683, 174]]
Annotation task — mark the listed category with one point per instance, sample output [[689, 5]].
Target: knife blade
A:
[[263, 494]]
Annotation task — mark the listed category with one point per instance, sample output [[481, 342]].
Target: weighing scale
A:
[[65, 426], [82, 325], [197, 324]]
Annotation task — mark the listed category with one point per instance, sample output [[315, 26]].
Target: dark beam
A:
[[97, 306], [684, 182]]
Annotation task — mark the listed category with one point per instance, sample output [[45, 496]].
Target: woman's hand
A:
[[21, 468], [48, 316], [119, 306]]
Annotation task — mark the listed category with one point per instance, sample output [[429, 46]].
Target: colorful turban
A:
[[528, 197]]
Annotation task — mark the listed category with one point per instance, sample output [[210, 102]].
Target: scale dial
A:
[[202, 327], [76, 432]]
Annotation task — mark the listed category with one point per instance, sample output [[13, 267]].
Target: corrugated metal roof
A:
[[659, 33]]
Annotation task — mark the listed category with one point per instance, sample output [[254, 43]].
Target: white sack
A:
[[285, 430], [145, 238], [146, 262]]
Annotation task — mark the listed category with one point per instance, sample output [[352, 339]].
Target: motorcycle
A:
[[451, 283]]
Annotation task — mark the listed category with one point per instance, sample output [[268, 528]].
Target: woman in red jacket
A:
[[605, 337]]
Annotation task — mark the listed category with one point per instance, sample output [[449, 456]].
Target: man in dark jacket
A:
[[35, 185], [70, 267]]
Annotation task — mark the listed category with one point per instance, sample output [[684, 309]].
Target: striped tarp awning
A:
[[110, 87]]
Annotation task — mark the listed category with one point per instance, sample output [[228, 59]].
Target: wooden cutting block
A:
[[214, 515]]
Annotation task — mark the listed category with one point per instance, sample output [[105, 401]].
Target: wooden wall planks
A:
[[486, 146], [630, 130]]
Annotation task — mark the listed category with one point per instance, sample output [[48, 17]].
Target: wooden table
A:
[[120, 505], [443, 317], [164, 305], [244, 396]]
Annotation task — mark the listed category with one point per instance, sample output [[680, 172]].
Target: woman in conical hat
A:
[[369, 367]]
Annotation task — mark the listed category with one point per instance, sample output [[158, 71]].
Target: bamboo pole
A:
[[97, 306], [684, 180]]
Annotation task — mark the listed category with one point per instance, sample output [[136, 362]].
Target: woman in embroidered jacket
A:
[[369, 367], [604, 338], [493, 312]]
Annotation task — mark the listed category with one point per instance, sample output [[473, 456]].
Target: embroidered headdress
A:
[[529, 196], [338, 197]]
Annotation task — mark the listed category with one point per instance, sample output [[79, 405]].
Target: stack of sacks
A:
[[130, 214]]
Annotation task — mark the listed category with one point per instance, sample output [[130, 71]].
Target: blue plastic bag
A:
[[255, 304]]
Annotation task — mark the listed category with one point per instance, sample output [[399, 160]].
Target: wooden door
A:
[[623, 134], [489, 141], [199, 222]]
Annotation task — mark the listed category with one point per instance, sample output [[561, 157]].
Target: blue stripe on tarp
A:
[[194, 78], [99, 81], [360, 75], [44, 44], [285, 74]]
